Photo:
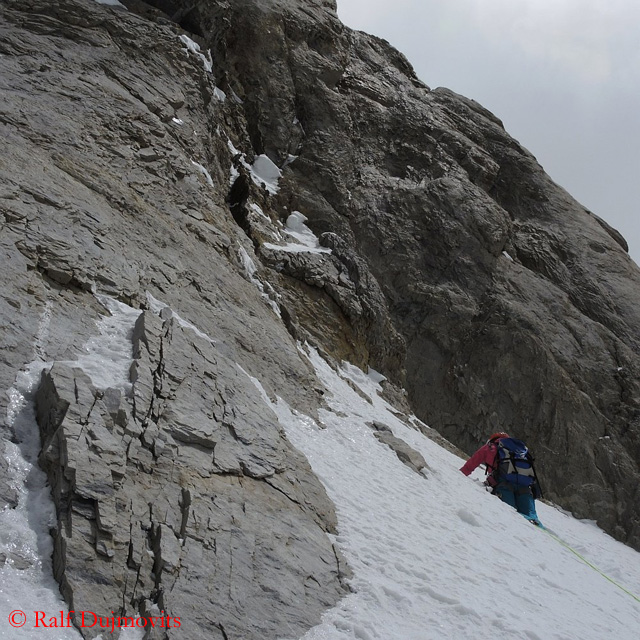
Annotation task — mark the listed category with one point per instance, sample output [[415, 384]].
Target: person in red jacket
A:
[[521, 498]]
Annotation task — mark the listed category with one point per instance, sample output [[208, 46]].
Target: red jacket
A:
[[484, 455]]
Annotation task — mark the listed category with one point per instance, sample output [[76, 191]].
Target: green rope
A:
[[589, 564]]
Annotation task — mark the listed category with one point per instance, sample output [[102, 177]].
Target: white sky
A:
[[563, 75]]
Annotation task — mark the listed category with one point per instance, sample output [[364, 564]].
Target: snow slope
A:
[[439, 557], [303, 240]]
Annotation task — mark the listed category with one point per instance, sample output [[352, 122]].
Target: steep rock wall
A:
[[505, 304], [175, 487]]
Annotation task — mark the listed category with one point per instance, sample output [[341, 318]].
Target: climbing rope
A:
[[589, 564]]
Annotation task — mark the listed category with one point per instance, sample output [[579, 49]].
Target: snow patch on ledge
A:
[[164, 311], [257, 210], [376, 376], [264, 171], [304, 240], [204, 172], [194, 48]]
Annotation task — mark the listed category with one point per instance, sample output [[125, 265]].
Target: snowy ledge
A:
[[194, 48], [304, 240], [264, 172]]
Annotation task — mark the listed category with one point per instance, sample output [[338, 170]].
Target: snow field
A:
[[439, 557]]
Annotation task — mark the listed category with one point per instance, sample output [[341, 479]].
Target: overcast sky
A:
[[563, 76]]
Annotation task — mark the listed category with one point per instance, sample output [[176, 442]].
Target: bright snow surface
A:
[[264, 171], [303, 240], [436, 556]]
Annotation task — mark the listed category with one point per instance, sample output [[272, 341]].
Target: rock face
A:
[[206, 514], [176, 491], [497, 300], [137, 167]]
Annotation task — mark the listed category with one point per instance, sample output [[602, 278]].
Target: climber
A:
[[510, 473]]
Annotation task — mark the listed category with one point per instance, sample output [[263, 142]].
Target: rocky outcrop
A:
[[138, 167], [184, 498], [406, 454]]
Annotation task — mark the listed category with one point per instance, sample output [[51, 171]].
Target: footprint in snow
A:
[[439, 597], [468, 517], [394, 595], [467, 612]]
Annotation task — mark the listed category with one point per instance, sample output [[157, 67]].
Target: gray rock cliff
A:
[[497, 300], [133, 170], [176, 490]]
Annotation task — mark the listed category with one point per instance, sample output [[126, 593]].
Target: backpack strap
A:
[[514, 462], [538, 488]]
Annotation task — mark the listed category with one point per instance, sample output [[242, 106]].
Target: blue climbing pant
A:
[[520, 498]]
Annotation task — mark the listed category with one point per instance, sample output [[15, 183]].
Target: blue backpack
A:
[[514, 463]]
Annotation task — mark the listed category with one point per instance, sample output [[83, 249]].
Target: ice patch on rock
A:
[[194, 48], [204, 172], [165, 311], [264, 171], [304, 240], [250, 269], [26, 573]]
